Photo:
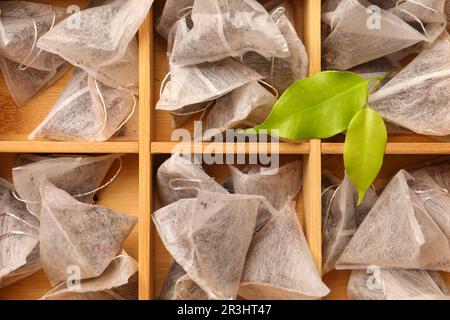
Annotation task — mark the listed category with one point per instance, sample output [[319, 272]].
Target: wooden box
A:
[[134, 193]]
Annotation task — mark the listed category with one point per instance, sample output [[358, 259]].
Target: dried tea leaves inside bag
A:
[[101, 41], [281, 72], [417, 97], [171, 14], [87, 110], [279, 265], [116, 275], [341, 217], [79, 176], [244, 107], [78, 234], [19, 236], [397, 233], [353, 41], [209, 237], [23, 23], [396, 285], [228, 28], [23, 85], [179, 178]]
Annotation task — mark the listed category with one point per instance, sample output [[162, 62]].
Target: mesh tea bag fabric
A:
[[281, 72], [23, 85], [77, 234], [209, 237], [86, 110], [279, 185], [178, 178], [228, 28], [23, 23], [417, 97], [78, 176], [432, 185], [279, 264], [171, 14], [398, 233], [101, 41], [341, 217], [179, 286], [396, 285], [117, 274], [19, 236], [427, 11], [353, 41], [244, 107]]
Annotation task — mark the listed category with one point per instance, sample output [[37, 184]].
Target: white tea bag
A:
[[341, 217], [171, 14], [279, 185], [228, 28], [19, 236], [426, 11], [244, 107], [117, 274], [354, 41], [417, 97], [24, 85], [77, 234], [79, 176], [101, 41], [281, 72], [397, 233], [179, 286], [279, 265], [23, 23], [396, 285], [87, 110], [209, 237], [179, 178], [432, 185]]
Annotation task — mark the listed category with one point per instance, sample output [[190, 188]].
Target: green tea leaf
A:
[[365, 145], [318, 107]]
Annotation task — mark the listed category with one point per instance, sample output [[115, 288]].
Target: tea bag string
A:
[[26, 223], [105, 112], [413, 15], [114, 177], [3, 30], [437, 191], [399, 2], [164, 83], [275, 92], [25, 64], [184, 12]]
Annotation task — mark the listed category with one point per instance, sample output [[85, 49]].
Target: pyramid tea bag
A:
[[281, 72], [117, 274], [228, 28], [353, 41], [279, 185], [86, 111], [23, 85], [171, 14], [190, 88], [101, 41], [179, 286], [23, 24], [341, 217], [19, 236], [209, 237], [432, 185], [279, 264], [77, 234], [396, 285], [397, 233], [179, 178], [417, 98], [244, 107], [79, 176]]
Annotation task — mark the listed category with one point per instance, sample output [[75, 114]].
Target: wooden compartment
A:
[[338, 280]]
